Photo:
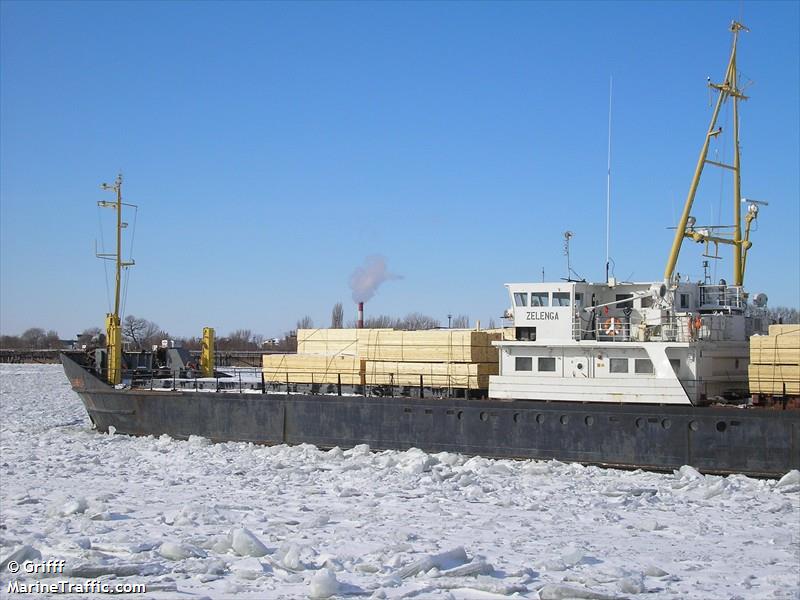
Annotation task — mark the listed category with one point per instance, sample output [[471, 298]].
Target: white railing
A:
[[722, 297], [622, 329]]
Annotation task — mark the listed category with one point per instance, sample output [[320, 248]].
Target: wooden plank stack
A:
[[439, 375], [334, 341], [311, 368], [455, 358], [434, 345], [775, 361]]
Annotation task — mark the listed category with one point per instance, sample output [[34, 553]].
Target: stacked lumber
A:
[[310, 368], [775, 361], [437, 375], [452, 358], [505, 333], [435, 345], [333, 341], [779, 329]]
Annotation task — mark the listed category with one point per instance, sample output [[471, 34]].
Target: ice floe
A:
[[202, 520]]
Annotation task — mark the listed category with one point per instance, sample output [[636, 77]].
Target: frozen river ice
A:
[[192, 519]]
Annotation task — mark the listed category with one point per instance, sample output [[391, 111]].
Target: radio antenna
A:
[[571, 274], [608, 182]]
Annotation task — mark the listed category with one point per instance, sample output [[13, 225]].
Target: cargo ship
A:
[[650, 375]]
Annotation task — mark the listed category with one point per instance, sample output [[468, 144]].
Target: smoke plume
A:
[[366, 279]]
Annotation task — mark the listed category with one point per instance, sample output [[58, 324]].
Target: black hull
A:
[[714, 440]]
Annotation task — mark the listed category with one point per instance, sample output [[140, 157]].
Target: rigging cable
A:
[[130, 255], [725, 121], [103, 251]]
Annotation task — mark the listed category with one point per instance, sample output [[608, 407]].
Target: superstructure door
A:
[[578, 366]]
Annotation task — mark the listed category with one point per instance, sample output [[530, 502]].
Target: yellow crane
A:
[[728, 89]]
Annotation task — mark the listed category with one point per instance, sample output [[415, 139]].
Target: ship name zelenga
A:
[[542, 315]]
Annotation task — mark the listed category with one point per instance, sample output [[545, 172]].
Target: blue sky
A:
[[271, 147]]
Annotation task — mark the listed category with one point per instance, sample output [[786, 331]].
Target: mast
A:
[[729, 88], [113, 325], [738, 267], [608, 183]]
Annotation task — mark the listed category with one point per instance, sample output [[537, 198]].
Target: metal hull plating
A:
[[714, 440]]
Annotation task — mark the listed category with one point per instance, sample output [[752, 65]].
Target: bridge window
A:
[[628, 297], [526, 334], [540, 299], [618, 365], [578, 299], [560, 298], [676, 365], [523, 363], [684, 299], [643, 365], [547, 363], [520, 299]]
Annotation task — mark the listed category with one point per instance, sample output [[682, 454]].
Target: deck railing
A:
[[255, 380], [722, 297]]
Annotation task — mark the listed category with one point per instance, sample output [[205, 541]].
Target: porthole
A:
[[666, 423], [484, 416], [564, 419], [589, 420], [460, 414], [721, 426], [694, 425], [516, 417], [640, 422], [540, 419]]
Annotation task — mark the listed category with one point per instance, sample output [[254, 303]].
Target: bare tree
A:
[[10, 342], [305, 323], [140, 332], [241, 339], [51, 339], [93, 337], [33, 337], [380, 322], [461, 322], [337, 316], [414, 321], [783, 314]]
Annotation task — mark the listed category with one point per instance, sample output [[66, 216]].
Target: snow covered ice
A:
[[199, 520]]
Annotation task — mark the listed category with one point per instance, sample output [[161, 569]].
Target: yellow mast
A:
[[725, 90], [113, 326], [207, 352]]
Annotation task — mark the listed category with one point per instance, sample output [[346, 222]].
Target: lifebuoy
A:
[[612, 326]]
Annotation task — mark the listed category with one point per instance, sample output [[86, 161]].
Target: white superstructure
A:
[[674, 342], [686, 343]]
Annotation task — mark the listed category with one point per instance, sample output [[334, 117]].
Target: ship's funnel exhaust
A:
[[360, 322]]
